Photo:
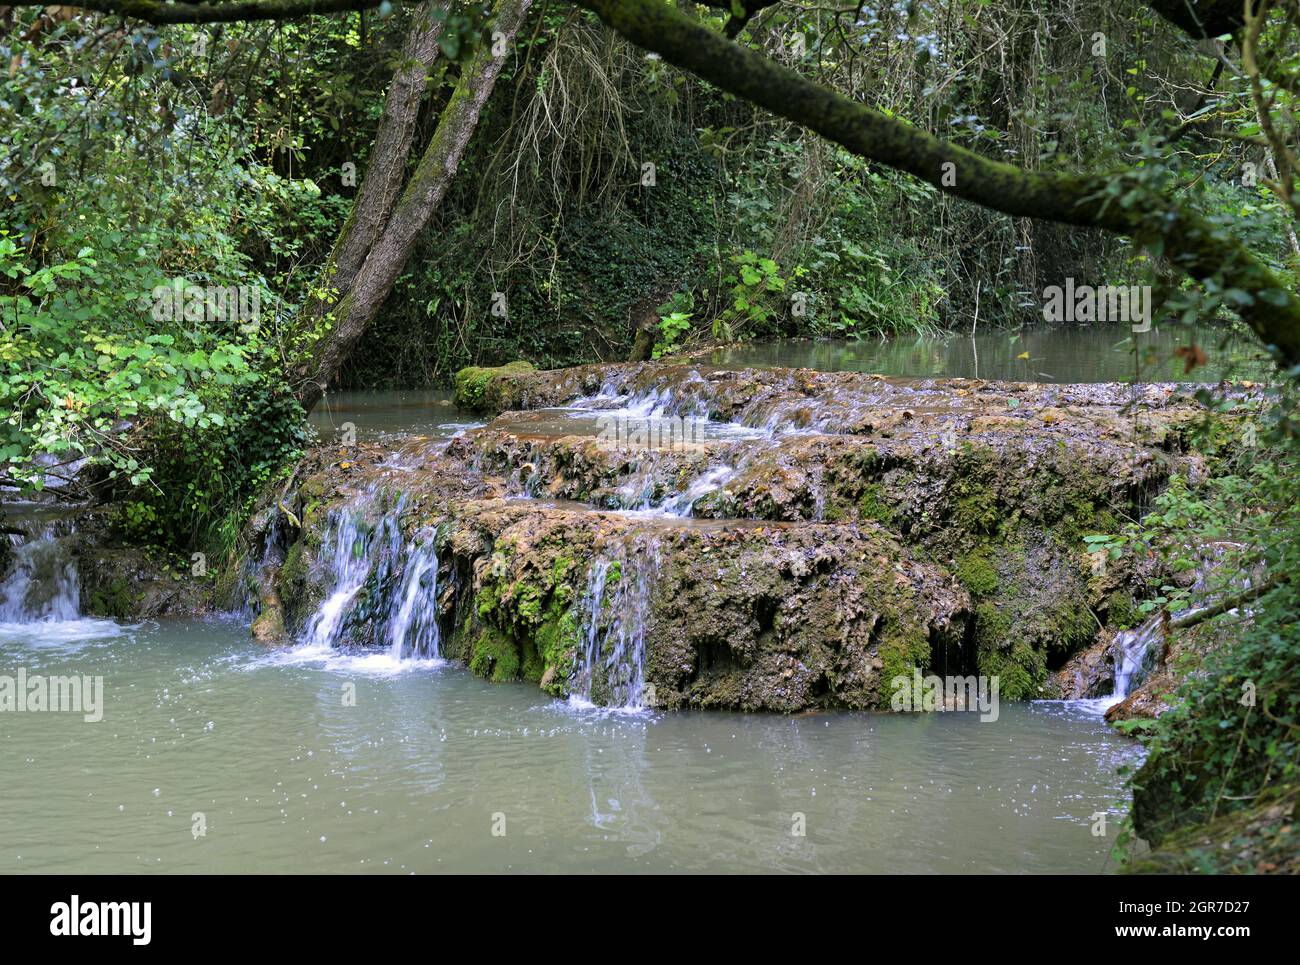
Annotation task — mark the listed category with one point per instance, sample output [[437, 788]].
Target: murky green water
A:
[[1067, 354], [383, 414], [412, 778]]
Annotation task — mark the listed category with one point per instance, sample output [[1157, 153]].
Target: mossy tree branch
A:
[[384, 177], [338, 335]]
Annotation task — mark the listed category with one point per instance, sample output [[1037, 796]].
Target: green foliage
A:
[[864, 278], [81, 366], [671, 328], [754, 287], [137, 204]]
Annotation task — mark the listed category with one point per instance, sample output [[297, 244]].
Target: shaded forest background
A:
[[238, 148]]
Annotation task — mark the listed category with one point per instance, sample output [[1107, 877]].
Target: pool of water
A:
[[214, 755], [1065, 354], [390, 413], [262, 752]]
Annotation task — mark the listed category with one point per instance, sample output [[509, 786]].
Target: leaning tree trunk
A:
[[381, 185], [387, 167], [337, 333]]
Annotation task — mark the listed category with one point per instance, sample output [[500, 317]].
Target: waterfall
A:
[[383, 588], [682, 504], [349, 565], [611, 664], [42, 584], [1134, 650], [413, 626]]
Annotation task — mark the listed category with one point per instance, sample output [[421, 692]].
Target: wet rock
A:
[[1146, 703], [490, 389], [131, 583], [268, 625], [839, 530], [1090, 673], [734, 613]]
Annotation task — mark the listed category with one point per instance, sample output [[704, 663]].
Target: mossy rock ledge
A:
[[933, 524]]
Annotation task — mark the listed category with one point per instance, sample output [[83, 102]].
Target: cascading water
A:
[[611, 665], [413, 626], [1134, 650], [42, 584], [762, 415], [383, 588], [349, 566], [682, 503]]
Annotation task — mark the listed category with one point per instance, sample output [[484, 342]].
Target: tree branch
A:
[[1189, 618], [1202, 18]]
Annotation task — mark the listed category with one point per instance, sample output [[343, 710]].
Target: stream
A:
[[198, 720], [217, 755]]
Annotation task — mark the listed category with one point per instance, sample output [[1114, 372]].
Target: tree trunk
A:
[[387, 256], [379, 188], [387, 168]]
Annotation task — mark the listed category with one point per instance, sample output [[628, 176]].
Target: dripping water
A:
[[610, 666]]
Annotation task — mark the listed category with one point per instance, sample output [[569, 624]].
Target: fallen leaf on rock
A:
[[1192, 356]]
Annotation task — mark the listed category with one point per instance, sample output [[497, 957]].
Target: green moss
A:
[[1020, 667], [297, 591], [977, 512], [528, 601], [974, 493], [478, 389], [978, 574], [873, 504], [992, 625], [113, 599], [1121, 610], [557, 640], [495, 656], [899, 654], [488, 600], [1071, 624], [1020, 670], [533, 667]]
